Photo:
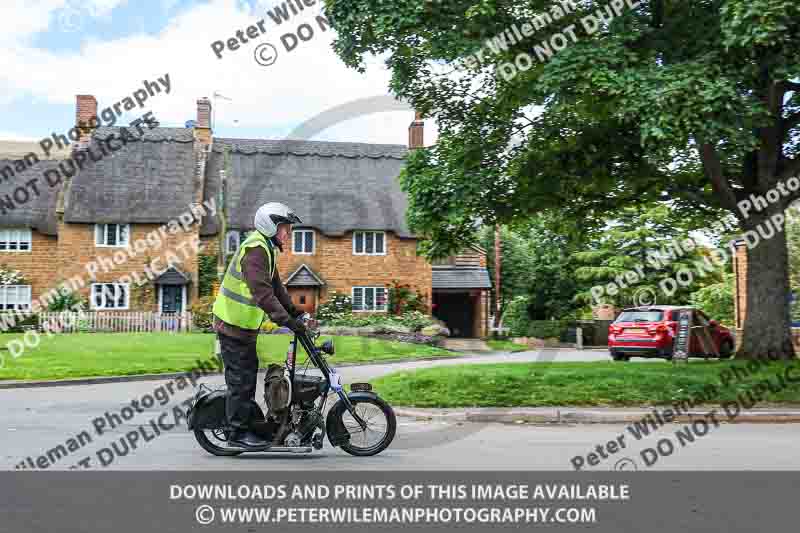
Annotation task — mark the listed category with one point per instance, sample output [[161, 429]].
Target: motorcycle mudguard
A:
[[337, 433], [208, 411]]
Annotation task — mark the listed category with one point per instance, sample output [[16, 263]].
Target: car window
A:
[[640, 316], [675, 314]]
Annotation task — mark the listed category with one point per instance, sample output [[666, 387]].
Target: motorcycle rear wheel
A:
[[209, 444], [381, 427]]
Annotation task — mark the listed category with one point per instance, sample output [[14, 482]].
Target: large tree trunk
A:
[[767, 326]]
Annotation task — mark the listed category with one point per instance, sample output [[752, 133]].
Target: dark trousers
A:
[[241, 375]]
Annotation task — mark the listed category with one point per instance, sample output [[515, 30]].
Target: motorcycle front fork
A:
[[351, 408]]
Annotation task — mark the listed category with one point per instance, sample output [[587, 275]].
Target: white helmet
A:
[[270, 215]]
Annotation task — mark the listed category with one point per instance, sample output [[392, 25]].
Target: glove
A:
[[296, 326]]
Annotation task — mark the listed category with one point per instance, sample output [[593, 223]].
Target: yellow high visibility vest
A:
[[234, 303]]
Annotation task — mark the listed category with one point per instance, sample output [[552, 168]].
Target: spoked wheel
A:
[[214, 441], [380, 431]]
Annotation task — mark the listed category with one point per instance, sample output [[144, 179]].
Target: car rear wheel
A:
[[726, 350], [616, 356]]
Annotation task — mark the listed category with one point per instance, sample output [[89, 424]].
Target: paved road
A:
[[34, 421]]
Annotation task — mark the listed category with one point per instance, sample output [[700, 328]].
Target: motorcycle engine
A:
[[277, 390], [305, 423]]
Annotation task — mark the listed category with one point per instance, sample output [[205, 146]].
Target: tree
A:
[[645, 257], [536, 264], [691, 102], [716, 300]]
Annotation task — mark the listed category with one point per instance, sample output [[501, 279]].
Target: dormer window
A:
[[369, 243], [114, 235], [303, 242]]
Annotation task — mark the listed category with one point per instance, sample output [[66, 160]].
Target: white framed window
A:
[[369, 299], [15, 240], [303, 242], [369, 243], [110, 296], [116, 235], [232, 242], [15, 297]]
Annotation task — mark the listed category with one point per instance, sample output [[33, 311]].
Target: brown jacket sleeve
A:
[[269, 296]]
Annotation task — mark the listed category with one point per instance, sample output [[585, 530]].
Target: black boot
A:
[[248, 440]]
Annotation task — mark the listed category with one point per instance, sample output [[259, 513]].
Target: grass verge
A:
[[116, 354], [606, 384], [507, 346]]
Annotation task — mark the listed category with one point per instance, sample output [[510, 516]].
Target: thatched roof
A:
[[334, 187], [20, 149], [39, 212], [151, 180]]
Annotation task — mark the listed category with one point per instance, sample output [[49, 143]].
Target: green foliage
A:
[[692, 103], [520, 324], [403, 299], [414, 320], [642, 240], [29, 322], [201, 312], [10, 276], [67, 301], [207, 273], [536, 262], [547, 329], [516, 317], [717, 300], [336, 306]]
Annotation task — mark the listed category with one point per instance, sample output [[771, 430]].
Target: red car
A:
[[650, 332]]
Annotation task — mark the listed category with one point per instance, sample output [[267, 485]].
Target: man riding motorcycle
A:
[[251, 290]]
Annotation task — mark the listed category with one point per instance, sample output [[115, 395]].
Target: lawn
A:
[[112, 354], [507, 346], [584, 384]]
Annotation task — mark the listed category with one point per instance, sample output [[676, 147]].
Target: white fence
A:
[[116, 321]]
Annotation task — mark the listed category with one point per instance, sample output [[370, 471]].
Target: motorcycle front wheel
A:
[[380, 431], [208, 439]]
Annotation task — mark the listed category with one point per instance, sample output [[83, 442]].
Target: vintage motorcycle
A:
[[360, 422]]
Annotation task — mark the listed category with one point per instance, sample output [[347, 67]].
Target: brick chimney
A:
[[85, 117], [202, 126], [416, 132]]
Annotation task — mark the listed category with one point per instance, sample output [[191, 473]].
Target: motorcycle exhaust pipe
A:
[[287, 449]]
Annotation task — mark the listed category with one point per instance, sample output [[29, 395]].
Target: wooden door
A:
[[304, 298]]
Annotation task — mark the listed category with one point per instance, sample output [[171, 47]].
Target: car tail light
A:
[[660, 328], [615, 329]]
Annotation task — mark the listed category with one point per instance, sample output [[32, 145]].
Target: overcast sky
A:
[[55, 49]]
